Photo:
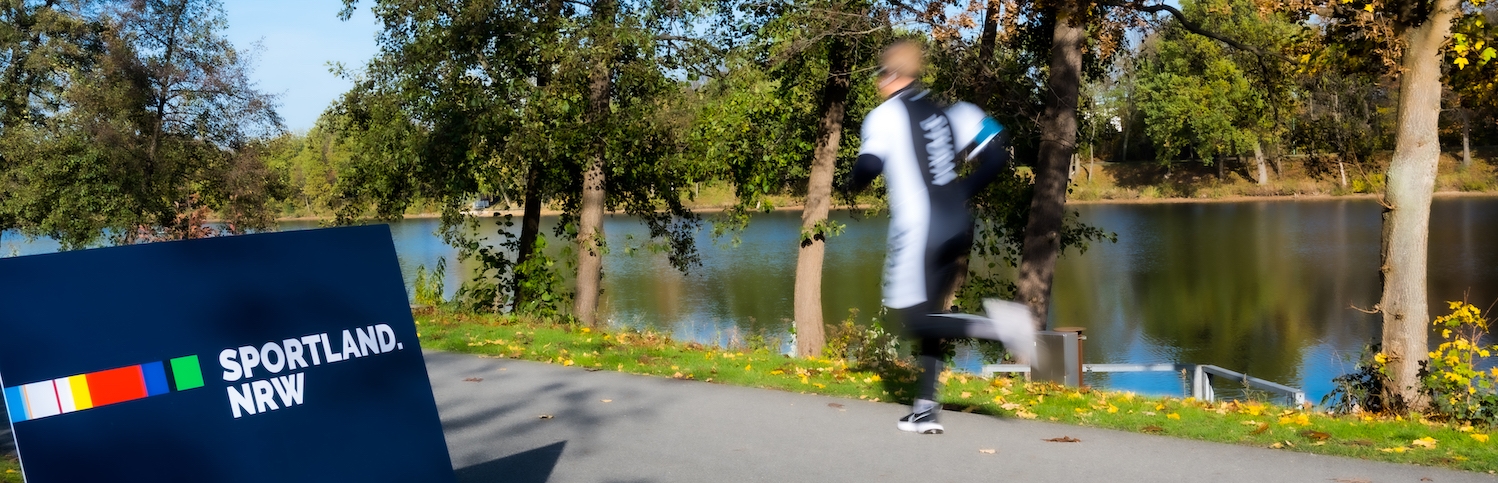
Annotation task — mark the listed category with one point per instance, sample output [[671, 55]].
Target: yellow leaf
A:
[[748, 367], [568, 362], [1369, 7], [1112, 409], [587, 330], [987, 451], [1159, 407], [1461, 63], [777, 372], [875, 378], [1173, 416], [819, 385], [1426, 442], [965, 395], [1481, 438], [1398, 449]]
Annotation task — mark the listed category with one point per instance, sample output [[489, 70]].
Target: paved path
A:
[[664, 430]]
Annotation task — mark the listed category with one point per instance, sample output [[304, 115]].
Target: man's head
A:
[[900, 65]]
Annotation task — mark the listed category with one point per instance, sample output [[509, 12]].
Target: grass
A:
[[1401, 439]]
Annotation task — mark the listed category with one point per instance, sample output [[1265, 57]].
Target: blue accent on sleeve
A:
[[155, 376], [15, 404], [990, 129]]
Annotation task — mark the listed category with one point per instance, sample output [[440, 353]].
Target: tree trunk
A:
[[1406, 216], [1466, 140], [530, 226], [530, 219], [808, 296], [1058, 127], [1263, 167], [590, 217], [1342, 169], [986, 43]]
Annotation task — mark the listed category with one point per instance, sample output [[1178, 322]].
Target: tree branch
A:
[[1194, 28]]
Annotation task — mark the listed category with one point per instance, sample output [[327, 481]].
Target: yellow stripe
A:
[[81, 398]]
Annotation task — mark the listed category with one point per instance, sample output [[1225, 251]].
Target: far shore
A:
[[1132, 201]]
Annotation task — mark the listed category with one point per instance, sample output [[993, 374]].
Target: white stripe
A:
[[41, 400], [65, 395]]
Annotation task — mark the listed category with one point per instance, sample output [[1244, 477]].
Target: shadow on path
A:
[[532, 466]]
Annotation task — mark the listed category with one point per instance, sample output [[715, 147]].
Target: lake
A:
[[1263, 287]]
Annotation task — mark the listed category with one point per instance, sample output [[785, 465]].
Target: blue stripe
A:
[[15, 404], [155, 378], [990, 129]]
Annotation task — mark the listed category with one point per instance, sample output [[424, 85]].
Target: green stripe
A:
[[186, 373]]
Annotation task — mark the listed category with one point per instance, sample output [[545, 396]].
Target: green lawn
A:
[[1402, 439]]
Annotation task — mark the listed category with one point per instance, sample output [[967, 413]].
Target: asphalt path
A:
[[528, 422]]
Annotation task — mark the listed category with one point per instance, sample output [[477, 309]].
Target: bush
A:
[[1456, 388], [868, 347], [1362, 390]]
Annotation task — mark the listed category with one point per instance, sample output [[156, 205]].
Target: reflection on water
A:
[[1262, 287]]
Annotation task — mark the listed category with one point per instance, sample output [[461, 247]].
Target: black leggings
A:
[[920, 321]]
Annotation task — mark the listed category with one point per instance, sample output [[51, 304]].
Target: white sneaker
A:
[[1016, 327]]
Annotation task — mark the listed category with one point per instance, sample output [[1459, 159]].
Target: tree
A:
[[162, 122], [804, 57], [1198, 94], [469, 98], [1408, 37]]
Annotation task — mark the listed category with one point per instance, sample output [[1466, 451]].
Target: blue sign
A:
[[258, 358]]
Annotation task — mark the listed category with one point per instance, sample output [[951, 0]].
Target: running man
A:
[[917, 145]]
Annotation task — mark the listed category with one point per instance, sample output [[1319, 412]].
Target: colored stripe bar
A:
[[87, 391], [186, 373], [15, 404], [155, 377]]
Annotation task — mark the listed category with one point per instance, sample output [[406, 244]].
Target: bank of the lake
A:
[[1393, 438]]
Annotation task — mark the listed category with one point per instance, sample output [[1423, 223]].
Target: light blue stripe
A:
[[15, 404], [990, 129]]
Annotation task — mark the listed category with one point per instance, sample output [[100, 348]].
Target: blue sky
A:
[[298, 39]]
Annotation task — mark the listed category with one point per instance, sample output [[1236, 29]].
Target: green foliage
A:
[[1202, 97], [1362, 389], [114, 120], [429, 286], [869, 347], [1458, 389]]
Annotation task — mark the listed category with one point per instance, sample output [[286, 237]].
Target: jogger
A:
[[917, 145]]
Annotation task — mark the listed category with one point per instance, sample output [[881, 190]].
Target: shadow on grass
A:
[[534, 466]]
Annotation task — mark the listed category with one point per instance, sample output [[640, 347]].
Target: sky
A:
[[298, 38]]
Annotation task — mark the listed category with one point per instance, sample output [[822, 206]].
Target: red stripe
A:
[[57, 396], [116, 385]]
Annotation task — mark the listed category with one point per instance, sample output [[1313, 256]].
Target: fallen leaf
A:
[[1173, 416], [834, 405], [1261, 429], [1426, 478], [474, 379], [546, 416], [1023, 414], [1426, 442], [988, 451], [1152, 429], [965, 395], [1361, 442], [606, 400], [1276, 446], [1481, 438], [1396, 449], [1063, 439], [1316, 435]]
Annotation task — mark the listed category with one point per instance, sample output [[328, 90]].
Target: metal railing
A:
[[1202, 376]]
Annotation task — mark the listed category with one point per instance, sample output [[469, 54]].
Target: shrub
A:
[[1457, 389]]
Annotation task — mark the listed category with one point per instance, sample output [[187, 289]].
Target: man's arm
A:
[[865, 170], [991, 157]]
